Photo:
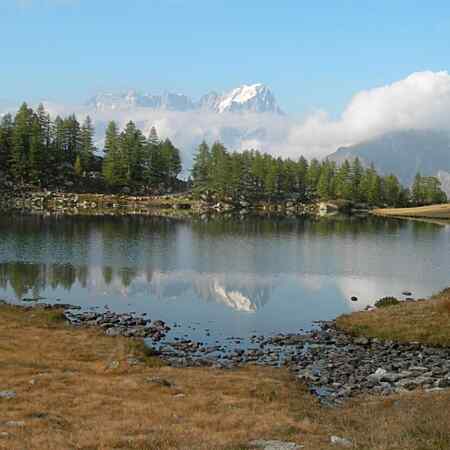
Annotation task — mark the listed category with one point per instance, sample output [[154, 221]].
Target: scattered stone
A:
[[113, 365], [334, 365], [7, 395], [336, 440], [160, 381], [275, 445], [15, 423]]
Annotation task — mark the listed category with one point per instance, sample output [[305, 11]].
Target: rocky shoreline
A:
[[334, 365], [66, 203]]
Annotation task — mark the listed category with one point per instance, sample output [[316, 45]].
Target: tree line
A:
[[259, 176], [61, 154], [36, 150]]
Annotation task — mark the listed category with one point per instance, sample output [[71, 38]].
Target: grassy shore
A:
[[431, 211], [78, 389], [425, 321]]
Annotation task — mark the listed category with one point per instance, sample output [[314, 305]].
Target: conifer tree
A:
[[78, 168], [6, 133], [36, 162], [20, 151], [201, 166], [87, 148], [114, 164]]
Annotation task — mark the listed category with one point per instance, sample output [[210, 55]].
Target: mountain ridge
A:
[[256, 98], [404, 153]]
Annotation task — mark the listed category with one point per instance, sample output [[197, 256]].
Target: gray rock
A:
[[336, 440], [275, 445], [361, 340], [115, 331], [15, 423], [377, 376], [7, 394]]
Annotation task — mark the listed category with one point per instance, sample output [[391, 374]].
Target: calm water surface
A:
[[234, 277]]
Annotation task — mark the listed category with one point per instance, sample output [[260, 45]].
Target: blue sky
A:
[[313, 54]]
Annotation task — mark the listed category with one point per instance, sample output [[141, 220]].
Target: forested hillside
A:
[[255, 175], [60, 154]]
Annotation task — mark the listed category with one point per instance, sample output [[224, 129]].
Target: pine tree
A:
[[171, 163], [36, 158], [78, 168], [302, 170], [72, 139], [417, 193], [6, 133], [201, 167], [312, 177], [132, 143], [357, 171], [220, 168], [375, 190], [114, 164], [325, 184], [344, 182], [153, 138], [392, 190], [19, 157], [87, 148], [271, 182]]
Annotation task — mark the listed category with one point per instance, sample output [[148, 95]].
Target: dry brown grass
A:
[[426, 321], [431, 211], [69, 398]]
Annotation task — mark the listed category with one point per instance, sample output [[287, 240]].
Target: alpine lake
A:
[[222, 279]]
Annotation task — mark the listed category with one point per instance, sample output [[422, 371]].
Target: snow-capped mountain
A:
[[256, 98], [133, 99]]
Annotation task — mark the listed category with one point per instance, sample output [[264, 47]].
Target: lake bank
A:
[[115, 395], [432, 212], [336, 360], [177, 204]]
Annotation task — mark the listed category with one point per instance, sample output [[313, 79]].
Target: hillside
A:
[[404, 153]]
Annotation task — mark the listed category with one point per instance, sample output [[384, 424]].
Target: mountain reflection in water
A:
[[274, 274]]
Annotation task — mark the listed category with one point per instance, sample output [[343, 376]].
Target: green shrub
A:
[[386, 301]]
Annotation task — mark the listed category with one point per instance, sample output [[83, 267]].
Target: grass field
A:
[[431, 211], [78, 389]]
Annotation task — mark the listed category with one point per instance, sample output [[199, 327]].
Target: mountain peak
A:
[[255, 98]]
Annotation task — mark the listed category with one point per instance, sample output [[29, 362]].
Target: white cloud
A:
[[420, 101]]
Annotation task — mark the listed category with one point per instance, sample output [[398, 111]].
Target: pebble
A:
[[8, 394], [336, 440], [275, 445], [15, 423]]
